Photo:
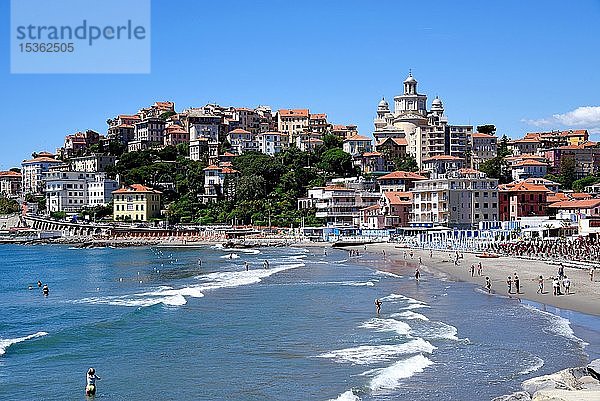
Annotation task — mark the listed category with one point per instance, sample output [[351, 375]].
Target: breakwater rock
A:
[[573, 384]]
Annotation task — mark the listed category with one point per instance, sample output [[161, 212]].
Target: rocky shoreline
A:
[[573, 384]]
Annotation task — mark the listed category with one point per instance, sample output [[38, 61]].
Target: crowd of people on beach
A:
[[579, 249]]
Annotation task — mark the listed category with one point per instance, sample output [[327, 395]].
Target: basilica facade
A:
[[427, 132]]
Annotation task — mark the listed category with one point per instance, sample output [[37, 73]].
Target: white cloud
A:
[[587, 117]]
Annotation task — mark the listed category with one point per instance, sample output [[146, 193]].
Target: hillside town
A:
[[418, 175]]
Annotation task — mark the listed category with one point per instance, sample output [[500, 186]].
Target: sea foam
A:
[[394, 325], [389, 378], [368, 354], [557, 324], [346, 396], [5, 343], [409, 315]]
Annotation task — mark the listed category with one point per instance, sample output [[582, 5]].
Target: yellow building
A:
[[136, 202]]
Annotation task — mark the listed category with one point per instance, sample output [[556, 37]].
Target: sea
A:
[[168, 323]]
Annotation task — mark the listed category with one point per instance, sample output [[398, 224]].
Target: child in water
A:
[[90, 387]]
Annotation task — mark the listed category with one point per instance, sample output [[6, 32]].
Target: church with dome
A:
[[426, 132]]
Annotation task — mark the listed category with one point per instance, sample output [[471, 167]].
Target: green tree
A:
[[567, 172], [336, 162], [503, 149], [8, 206], [496, 168], [580, 184], [489, 129], [406, 163]]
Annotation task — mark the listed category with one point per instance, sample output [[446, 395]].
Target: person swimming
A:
[[39, 283], [45, 290], [90, 382], [378, 305]]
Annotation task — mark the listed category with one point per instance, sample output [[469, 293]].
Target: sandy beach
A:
[[584, 296]]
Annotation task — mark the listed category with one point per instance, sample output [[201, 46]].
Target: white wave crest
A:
[[410, 315], [368, 354], [438, 331], [230, 256], [5, 343], [389, 378], [557, 324], [346, 396], [387, 325], [384, 273], [537, 364]]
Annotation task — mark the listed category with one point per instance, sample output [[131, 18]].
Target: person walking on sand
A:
[[430, 254], [592, 273], [417, 274], [479, 268], [561, 272], [567, 285], [90, 382], [472, 270], [517, 283], [509, 283], [555, 286], [420, 261], [488, 285], [378, 305], [540, 285]]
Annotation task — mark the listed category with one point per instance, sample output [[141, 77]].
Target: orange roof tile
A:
[[10, 174], [136, 188], [399, 198], [320, 116], [576, 204], [442, 157], [293, 112], [523, 187], [404, 175], [482, 135], [371, 154], [239, 131], [530, 162], [42, 160], [357, 138]]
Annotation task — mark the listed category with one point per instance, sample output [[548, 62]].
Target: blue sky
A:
[[522, 65]]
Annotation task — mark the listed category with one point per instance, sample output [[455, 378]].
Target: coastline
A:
[[584, 297]]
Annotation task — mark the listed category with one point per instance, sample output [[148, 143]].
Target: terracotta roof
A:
[[542, 181], [442, 157], [46, 154], [557, 197], [228, 154], [583, 145], [175, 129], [469, 171], [10, 174], [129, 117], [530, 162], [42, 160], [579, 195], [164, 105], [525, 156], [372, 207], [526, 140], [577, 132], [523, 187], [399, 198], [482, 135], [405, 175], [239, 131], [136, 188], [339, 127], [212, 167], [337, 188], [228, 170], [397, 141], [576, 204], [124, 126], [293, 112], [357, 138], [320, 116], [371, 154]]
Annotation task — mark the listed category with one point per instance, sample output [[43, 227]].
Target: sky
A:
[[525, 66]]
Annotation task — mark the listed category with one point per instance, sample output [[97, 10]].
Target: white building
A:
[[459, 199], [427, 132], [357, 145], [242, 141], [70, 191], [271, 143], [95, 162], [32, 172], [219, 183], [529, 168], [10, 183], [100, 190]]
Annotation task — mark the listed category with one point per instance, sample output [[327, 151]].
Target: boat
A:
[[486, 255]]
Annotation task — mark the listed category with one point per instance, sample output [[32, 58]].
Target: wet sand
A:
[[584, 297]]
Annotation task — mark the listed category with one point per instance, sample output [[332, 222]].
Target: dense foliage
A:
[[8, 206]]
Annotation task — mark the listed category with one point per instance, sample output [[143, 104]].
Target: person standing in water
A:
[[246, 265], [90, 382], [45, 290], [39, 283], [378, 305], [417, 274], [488, 285]]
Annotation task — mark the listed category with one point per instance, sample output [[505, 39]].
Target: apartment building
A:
[[522, 199], [219, 183], [458, 199], [271, 143], [357, 144], [136, 202], [95, 162], [32, 173], [293, 122], [10, 183], [483, 148], [398, 181]]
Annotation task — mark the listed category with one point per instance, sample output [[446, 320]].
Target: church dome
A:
[[436, 102], [410, 78], [383, 103]]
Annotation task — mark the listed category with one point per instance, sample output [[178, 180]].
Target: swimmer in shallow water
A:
[[378, 305], [45, 290], [90, 382]]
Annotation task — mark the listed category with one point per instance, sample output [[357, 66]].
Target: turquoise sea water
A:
[[158, 325]]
